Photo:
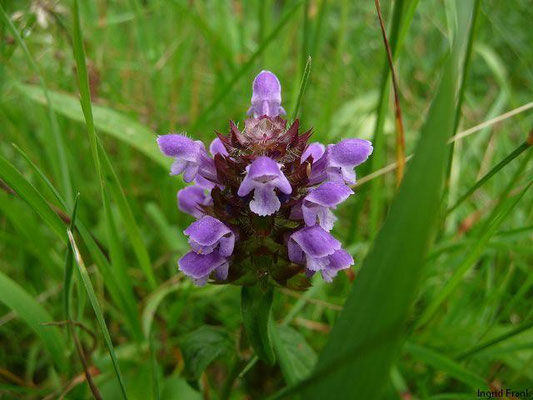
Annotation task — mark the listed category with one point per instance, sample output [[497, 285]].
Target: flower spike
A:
[[263, 197]]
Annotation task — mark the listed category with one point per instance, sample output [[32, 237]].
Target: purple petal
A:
[[178, 166], [350, 152], [264, 169], [200, 265], [263, 176], [329, 194], [325, 217], [296, 253], [319, 169], [179, 146], [207, 231], [191, 198], [217, 147], [206, 166], [315, 150], [266, 86], [266, 95], [221, 273], [341, 259], [265, 201], [227, 243], [200, 181], [316, 242], [190, 172]]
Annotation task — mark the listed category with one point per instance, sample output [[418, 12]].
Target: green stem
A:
[[232, 376]]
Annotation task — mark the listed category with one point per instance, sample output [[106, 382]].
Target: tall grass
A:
[[438, 303]]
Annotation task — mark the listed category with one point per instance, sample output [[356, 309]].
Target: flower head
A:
[[264, 197]]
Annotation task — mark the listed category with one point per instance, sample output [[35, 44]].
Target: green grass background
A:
[[462, 288]]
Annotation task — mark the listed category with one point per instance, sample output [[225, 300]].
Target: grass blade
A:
[[381, 297], [401, 20], [132, 229], [106, 120], [97, 310], [126, 303], [445, 364], [63, 172], [489, 230], [513, 332], [400, 139], [515, 153], [464, 76], [303, 84], [225, 91], [31, 312], [67, 280], [117, 254], [16, 181]]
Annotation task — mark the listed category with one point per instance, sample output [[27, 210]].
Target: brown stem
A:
[[400, 142]]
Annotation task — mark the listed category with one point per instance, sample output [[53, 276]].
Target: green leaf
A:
[[226, 90], [303, 85], [116, 250], [84, 275], [445, 364], [203, 346], [16, 181], [106, 120], [69, 258], [59, 156], [296, 358], [256, 304], [473, 255], [152, 303], [369, 331], [31, 312], [176, 388], [37, 202]]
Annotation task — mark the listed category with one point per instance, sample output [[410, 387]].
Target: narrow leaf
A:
[[256, 306], [97, 310], [447, 365], [33, 314]]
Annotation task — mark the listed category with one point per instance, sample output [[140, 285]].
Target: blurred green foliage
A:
[[159, 66]]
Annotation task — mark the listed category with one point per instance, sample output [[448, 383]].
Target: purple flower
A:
[[200, 266], [268, 168], [344, 156], [315, 150], [266, 96], [319, 251], [191, 199], [217, 147], [317, 204], [190, 157], [208, 234], [263, 176]]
